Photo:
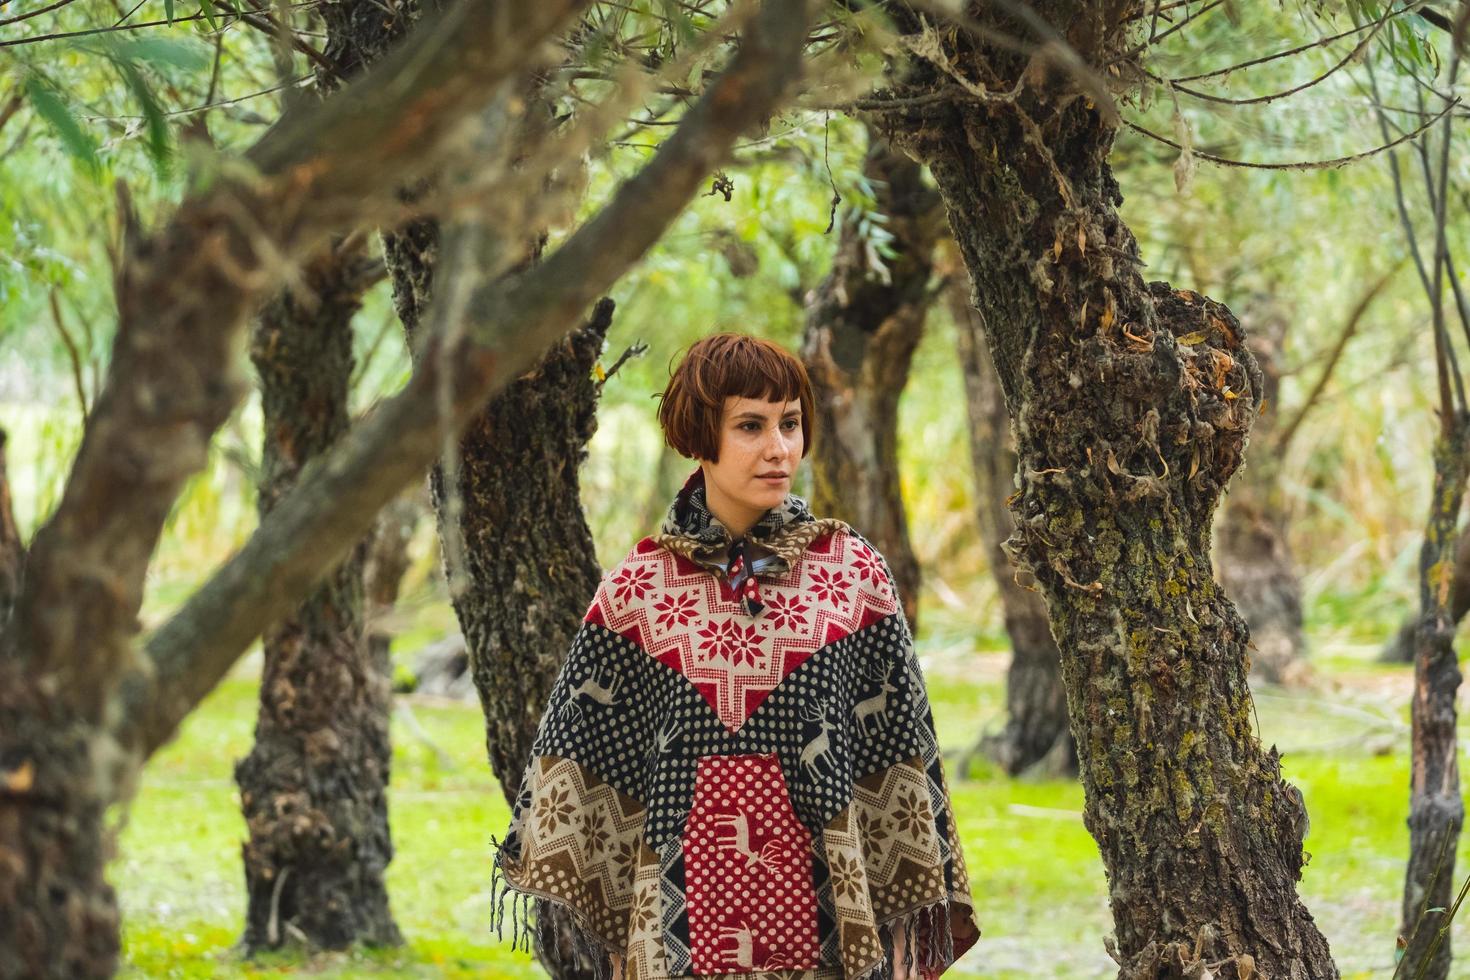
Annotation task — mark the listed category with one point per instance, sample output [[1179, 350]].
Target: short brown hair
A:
[[728, 365]]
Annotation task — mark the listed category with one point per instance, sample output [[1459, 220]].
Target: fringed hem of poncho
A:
[[926, 929], [929, 945], [592, 948]]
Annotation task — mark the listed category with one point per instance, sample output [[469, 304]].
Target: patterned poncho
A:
[[716, 793]]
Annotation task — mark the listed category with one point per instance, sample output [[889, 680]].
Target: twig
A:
[[1300, 165], [281, 32], [89, 32], [7, 21], [1175, 84], [73, 355], [1289, 52], [1349, 329], [638, 349], [1189, 16], [213, 105]]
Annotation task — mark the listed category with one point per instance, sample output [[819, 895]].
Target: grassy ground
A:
[[1037, 879]]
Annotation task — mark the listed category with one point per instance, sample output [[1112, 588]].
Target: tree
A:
[[863, 325], [1436, 810], [1131, 403], [521, 561], [313, 788], [1037, 732], [81, 706]]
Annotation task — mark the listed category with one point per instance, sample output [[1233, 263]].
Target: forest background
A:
[[1302, 247]]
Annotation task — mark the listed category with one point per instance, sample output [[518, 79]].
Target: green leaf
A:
[[76, 140], [155, 124], [184, 53], [206, 10], [168, 10]]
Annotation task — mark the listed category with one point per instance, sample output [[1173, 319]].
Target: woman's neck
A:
[[736, 518]]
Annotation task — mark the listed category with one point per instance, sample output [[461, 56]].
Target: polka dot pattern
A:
[[748, 865]]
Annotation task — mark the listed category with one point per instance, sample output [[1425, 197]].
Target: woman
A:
[[737, 774]]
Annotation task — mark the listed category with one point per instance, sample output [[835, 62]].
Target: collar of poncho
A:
[[692, 530]]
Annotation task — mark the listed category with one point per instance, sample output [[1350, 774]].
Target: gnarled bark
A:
[[1436, 810], [1400, 648], [1037, 732], [313, 787], [1131, 403], [861, 332]]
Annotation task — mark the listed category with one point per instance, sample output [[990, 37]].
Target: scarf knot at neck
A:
[[692, 530]]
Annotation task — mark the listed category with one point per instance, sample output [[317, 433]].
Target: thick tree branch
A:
[[183, 294], [510, 324]]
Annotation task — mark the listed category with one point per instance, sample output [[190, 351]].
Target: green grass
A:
[[1034, 869]]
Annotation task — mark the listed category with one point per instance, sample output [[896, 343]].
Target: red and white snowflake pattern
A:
[[689, 619]]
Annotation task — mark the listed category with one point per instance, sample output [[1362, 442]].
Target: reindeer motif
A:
[[875, 705], [820, 745], [595, 691], [744, 951], [740, 823], [666, 737]]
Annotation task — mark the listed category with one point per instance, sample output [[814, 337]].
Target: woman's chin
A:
[[766, 500]]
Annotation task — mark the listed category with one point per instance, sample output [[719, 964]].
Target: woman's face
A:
[[760, 447]]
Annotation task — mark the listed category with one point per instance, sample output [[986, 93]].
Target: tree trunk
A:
[[1256, 566], [1436, 811], [60, 916], [1037, 732], [861, 332], [313, 788], [530, 565], [1400, 649], [1131, 405]]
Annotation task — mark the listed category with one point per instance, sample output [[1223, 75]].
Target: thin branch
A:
[[120, 27], [1289, 52], [637, 349], [73, 355], [1189, 16], [304, 79], [268, 26], [1175, 84], [390, 320], [1300, 165], [1405, 222], [1441, 243], [1349, 329], [7, 21]]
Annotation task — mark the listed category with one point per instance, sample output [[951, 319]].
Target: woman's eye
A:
[[790, 424], [750, 426]]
